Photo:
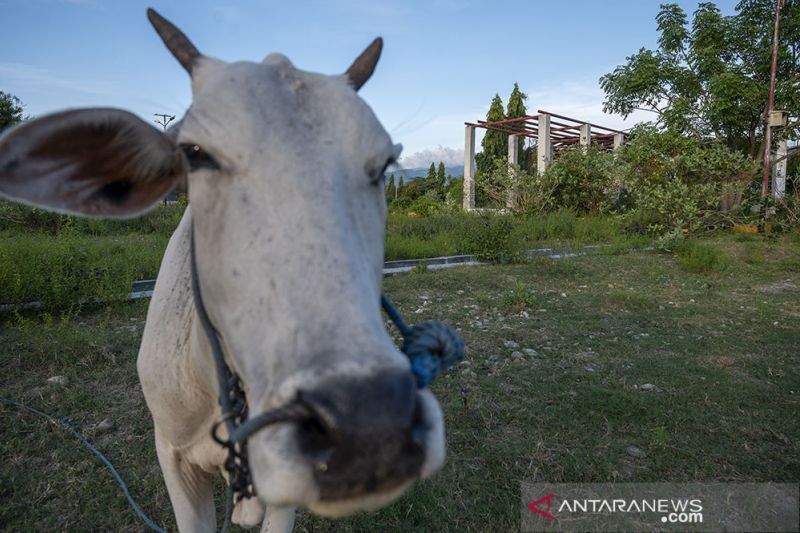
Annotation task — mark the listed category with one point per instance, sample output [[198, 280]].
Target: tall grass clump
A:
[[699, 257], [492, 238], [162, 219], [69, 268], [413, 247]]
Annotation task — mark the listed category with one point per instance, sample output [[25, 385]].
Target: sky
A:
[[442, 62]]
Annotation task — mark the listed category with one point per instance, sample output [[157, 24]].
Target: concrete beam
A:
[[619, 140], [513, 162], [545, 146], [586, 135], [779, 176], [469, 168]]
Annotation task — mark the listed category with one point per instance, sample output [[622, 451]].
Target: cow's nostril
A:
[[317, 433], [314, 436]]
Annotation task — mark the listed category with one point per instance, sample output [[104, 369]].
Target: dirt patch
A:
[[778, 287], [724, 361]]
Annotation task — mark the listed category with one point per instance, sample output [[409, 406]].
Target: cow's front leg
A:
[[278, 520], [189, 489]]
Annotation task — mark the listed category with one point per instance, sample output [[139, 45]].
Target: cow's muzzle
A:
[[363, 435]]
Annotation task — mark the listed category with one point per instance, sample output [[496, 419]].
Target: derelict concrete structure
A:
[[779, 174], [552, 132]]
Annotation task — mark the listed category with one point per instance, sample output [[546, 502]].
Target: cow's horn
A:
[[180, 46], [364, 65]]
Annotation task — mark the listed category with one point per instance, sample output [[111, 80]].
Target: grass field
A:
[[693, 359], [63, 260]]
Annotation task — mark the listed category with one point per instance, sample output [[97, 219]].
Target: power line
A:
[[163, 119]]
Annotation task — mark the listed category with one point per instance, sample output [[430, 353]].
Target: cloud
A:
[[449, 156]]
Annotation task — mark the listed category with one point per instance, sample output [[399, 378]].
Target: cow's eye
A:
[[198, 158]]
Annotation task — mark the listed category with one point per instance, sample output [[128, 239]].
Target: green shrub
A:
[[426, 205], [454, 194], [678, 182], [579, 180], [493, 240]]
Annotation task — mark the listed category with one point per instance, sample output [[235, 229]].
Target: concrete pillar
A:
[[619, 140], [779, 175], [545, 146], [586, 135], [469, 168], [513, 162]]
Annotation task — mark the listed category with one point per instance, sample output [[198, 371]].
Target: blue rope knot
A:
[[431, 346]]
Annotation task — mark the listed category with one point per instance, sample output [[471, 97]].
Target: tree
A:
[[10, 110], [710, 78], [391, 190], [431, 172], [516, 109], [454, 193], [430, 185], [401, 188], [441, 177], [494, 145]]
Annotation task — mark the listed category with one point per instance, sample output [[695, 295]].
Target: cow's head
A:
[[285, 179]]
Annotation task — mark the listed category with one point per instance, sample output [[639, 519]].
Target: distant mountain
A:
[[410, 174]]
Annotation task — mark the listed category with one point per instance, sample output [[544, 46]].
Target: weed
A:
[[698, 257], [669, 242], [520, 297]]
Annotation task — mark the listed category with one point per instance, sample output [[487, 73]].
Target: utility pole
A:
[[163, 119], [770, 107]]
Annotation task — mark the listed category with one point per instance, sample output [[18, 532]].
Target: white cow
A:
[[285, 180]]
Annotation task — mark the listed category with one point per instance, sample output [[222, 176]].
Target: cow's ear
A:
[[93, 162]]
